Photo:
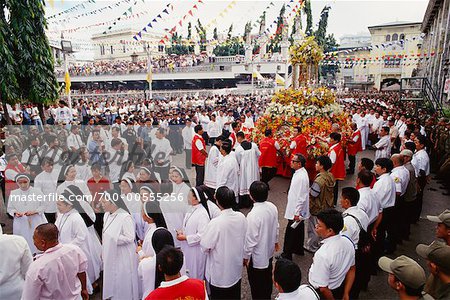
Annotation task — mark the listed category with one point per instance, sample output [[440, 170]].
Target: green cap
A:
[[444, 217], [438, 253], [409, 272]]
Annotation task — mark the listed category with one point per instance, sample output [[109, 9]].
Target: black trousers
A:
[[163, 172], [233, 292], [336, 192], [260, 281], [293, 240], [199, 175], [386, 232], [98, 224], [188, 160], [352, 164], [362, 273], [51, 217], [267, 174]]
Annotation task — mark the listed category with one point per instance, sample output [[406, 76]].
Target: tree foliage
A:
[[177, 47], [274, 45], [321, 31], [189, 35], [309, 18], [215, 35], [230, 32], [231, 47], [247, 29], [201, 31]]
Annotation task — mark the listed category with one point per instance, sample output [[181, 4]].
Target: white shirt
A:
[[223, 241], [331, 262], [47, 183], [351, 228], [228, 173], [333, 155], [369, 203], [63, 114], [16, 258], [117, 159], [385, 147], [421, 161], [161, 151], [53, 275], [298, 196], [214, 129], [400, 175], [188, 134], [74, 140], [262, 234], [384, 190], [303, 292]]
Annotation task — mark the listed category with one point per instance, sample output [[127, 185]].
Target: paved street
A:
[[422, 232]]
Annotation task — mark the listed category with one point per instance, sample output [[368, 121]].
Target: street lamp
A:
[[66, 47]]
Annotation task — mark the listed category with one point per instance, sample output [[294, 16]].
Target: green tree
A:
[[215, 35], [202, 34], [330, 45], [31, 51], [309, 18], [230, 48], [9, 87], [321, 31], [189, 36], [247, 29], [230, 32], [274, 45]]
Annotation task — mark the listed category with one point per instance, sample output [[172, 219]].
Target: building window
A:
[[388, 38], [112, 49], [160, 48], [402, 37], [102, 50], [124, 49], [395, 37]]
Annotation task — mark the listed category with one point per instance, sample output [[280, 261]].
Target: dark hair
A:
[[47, 160], [198, 128], [160, 239], [287, 274], [386, 128], [259, 191], [367, 163], [226, 146], [240, 134], [268, 132], [48, 231], [220, 138], [225, 197], [234, 125], [170, 260], [203, 197], [115, 142], [75, 193], [410, 146], [385, 163], [332, 219], [422, 139], [365, 177], [325, 161], [335, 136], [153, 211], [300, 158], [351, 194]]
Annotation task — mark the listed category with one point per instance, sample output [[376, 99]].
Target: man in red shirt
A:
[[298, 144], [337, 156], [268, 159], [354, 146], [199, 155], [170, 260]]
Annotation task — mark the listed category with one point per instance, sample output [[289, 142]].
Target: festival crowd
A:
[[119, 213]]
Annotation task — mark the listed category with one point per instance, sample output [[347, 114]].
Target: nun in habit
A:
[[73, 224], [180, 188], [67, 176], [120, 260], [134, 205], [213, 209], [194, 226], [153, 216], [27, 207]]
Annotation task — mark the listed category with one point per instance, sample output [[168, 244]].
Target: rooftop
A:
[[396, 23]]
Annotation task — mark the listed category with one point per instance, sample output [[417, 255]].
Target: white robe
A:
[[248, 167], [228, 173], [174, 211], [134, 205], [120, 261], [21, 202], [211, 165], [73, 230], [194, 226]]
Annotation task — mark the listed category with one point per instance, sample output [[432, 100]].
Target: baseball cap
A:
[[444, 217], [409, 272], [407, 152], [437, 253]]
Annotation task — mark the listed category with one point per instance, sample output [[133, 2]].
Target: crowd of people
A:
[[119, 67], [119, 210]]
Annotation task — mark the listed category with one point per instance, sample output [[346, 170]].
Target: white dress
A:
[[120, 260], [194, 225], [134, 205], [73, 230], [211, 165], [248, 167], [21, 202], [228, 173]]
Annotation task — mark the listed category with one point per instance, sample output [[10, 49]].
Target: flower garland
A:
[[305, 96], [306, 53]]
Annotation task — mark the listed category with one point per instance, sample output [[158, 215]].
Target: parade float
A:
[[314, 109]]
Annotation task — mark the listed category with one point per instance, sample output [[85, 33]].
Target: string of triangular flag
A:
[[89, 13], [126, 13], [151, 24], [72, 9], [221, 14]]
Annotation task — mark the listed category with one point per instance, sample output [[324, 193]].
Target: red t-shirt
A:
[[183, 288]]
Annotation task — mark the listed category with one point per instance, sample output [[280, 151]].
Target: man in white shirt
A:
[[401, 179], [367, 200], [47, 182], [384, 190], [383, 146], [74, 141], [59, 272], [188, 133], [63, 114], [287, 278], [223, 242], [213, 129], [297, 209], [16, 258], [117, 156], [261, 241], [228, 169], [333, 269], [421, 163], [162, 154], [355, 223]]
